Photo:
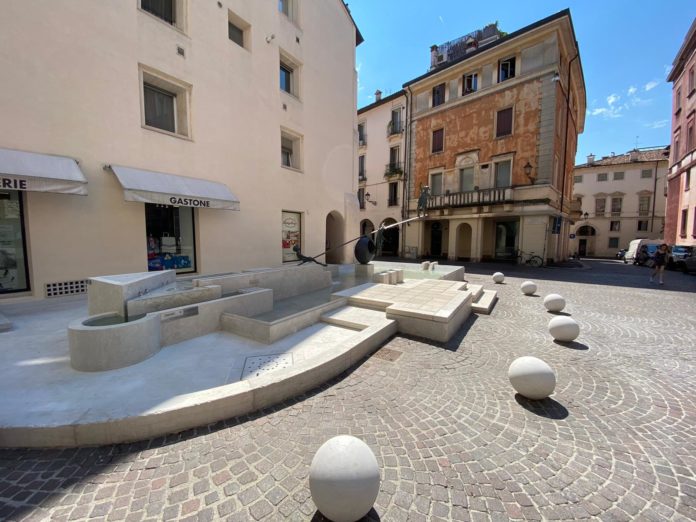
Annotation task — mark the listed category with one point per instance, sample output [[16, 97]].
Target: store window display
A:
[[13, 266], [170, 238]]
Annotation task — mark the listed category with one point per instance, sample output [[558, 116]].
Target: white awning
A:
[[146, 186], [30, 171]]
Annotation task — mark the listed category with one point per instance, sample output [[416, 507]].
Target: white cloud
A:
[[612, 99], [651, 85], [658, 124], [441, 20], [632, 90]]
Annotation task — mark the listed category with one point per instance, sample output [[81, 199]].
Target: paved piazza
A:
[[616, 442]]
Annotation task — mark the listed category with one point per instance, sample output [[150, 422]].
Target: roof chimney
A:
[[378, 95], [612, 154], [633, 155], [590, 159]]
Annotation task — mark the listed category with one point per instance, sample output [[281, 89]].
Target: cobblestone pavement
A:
[[616, 442]]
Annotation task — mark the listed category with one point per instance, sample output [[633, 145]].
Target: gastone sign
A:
[[13, 183], [189, 202]]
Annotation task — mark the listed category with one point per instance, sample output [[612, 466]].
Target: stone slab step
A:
[[353, 317], [476, 291], [485, 303]]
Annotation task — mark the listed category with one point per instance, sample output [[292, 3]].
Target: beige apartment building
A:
[[493, 132], [194, 135], [381, 152], [621, 198]]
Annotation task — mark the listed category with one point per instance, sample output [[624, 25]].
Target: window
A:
[[290, 154], [615, 226], [503, 123], [393, 194], [502, 173], [286, 78], [361, 167], [642, 225], [170, 238], [237, 30], [362, 135], [466, 179], [164, 9], [690, 136], [613, 242], [291, 230], [616, 206], [13, 264], [577, 178], [676, 156], [693, 225], [643, 205], [165, 103], [438, 95], [602, 176], [394, 154], [288, 8], [600, 204], [159, 108], [506, 69], [436, 184], [687, 179], [469, 84], [438, 140], [684, 219], [618, 176], [690, 82], [677, 101], [646, 174], [361, 198], [395, 122]]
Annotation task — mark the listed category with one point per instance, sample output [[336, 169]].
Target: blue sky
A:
[[626, 48]]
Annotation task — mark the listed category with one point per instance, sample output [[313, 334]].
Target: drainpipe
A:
[[407, 170], [565, 151], [652, 218]]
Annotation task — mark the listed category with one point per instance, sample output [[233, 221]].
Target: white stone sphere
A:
[[554, 302], [344, 479], [532, 378], [528, 287], [564, 328], [498, 277]]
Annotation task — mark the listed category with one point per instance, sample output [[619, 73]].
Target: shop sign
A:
[[291, 234], [189, 202], [13, 183]]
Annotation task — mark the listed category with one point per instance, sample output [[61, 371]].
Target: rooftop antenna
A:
[[637, 142]]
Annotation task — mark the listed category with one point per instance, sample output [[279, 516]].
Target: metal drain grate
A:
[[66, 288], [263, 364]]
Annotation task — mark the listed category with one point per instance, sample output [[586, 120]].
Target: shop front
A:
[[170, 213], [22, 172]]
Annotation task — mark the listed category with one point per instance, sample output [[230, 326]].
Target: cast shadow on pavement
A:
[[372, 516], [548, 407], [574, 345]]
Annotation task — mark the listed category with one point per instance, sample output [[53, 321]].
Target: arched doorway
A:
[[366, 227], [436, 239], [586, 240], [334, 236], [390, 245], [464, 242]]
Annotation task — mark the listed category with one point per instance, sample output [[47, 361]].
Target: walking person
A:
[[660, 261]]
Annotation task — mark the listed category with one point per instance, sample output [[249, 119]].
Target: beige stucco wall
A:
[[629, 189], [75, 91]]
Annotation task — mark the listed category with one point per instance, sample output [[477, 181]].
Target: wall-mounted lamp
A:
[[529, 172], [367, 198], [270, 38], [585, 216], [556, 77]]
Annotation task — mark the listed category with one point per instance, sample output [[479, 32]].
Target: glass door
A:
[[13, 257]]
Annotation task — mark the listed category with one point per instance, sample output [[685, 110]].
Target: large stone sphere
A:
[[554, 302], [344, 479], [528, 287], [564, 328], [532, 378], [498, 277]]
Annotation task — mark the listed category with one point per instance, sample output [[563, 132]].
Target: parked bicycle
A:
[[529, 259]]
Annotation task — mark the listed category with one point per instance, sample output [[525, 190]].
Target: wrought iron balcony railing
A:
[[393, 169], [394, 127], [471, 198]]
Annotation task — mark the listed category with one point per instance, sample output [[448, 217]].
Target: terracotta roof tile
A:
[[661, 154]]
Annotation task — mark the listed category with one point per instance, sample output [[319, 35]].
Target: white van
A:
[[635, 246]]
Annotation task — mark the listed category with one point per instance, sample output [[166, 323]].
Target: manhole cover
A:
[[388, 354], [262, 364]]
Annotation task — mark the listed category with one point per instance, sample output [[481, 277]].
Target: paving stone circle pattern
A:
[[616, 441]]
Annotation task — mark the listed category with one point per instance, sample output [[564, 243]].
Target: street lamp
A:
[[367, 198], [585, 216], [529, 172]]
